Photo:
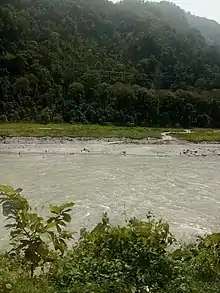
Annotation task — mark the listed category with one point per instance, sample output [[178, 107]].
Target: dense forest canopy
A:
[[95, 61]]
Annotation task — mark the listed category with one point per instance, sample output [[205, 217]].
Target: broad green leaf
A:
[[213, 239], [66, 217], [68, 210], [58, 228], [6, 188], [67, 205], [51, 219], [50, 225], [55, 209], [61, 223]]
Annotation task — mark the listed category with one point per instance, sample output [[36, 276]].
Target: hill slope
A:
[[210, 29], [65, 60]]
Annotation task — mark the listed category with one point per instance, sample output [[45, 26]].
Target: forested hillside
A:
[[93, 61], [210, 29]]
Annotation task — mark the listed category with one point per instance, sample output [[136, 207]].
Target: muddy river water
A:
[[123, 180]]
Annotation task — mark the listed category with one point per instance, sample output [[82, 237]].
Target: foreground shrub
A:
[[202, 257], [15, 278], [33, 238], [141, 256], [133, 258]]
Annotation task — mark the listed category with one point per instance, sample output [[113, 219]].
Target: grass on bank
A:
[[199, 135], [98, 131], [77, 130]]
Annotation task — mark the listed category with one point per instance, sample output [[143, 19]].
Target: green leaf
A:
[[67, 235], [58, 228], [66, 217], [43, 250], [55, 209], [10, 218], [61, 223], [67, 205], [6, 188], [9, 226], [68, 210], [51, 235], [50, 225], [51, 219], [63, 242], [213, 239]]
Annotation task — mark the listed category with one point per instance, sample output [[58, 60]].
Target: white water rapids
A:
[[124, 180]]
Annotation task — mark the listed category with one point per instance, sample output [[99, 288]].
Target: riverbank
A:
[[166, 146], [199, 136], [110, 133], [77, 130]]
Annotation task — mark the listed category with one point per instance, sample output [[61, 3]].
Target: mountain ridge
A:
[[92, 61]]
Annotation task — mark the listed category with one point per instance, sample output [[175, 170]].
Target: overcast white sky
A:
[[207, 8]]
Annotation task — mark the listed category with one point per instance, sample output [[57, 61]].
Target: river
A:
[[184, 190]]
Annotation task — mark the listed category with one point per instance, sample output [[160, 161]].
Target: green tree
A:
[[76, 93], [31, 234], [70, 50], [203, 120]]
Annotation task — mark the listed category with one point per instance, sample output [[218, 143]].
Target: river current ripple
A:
[[182, 190]]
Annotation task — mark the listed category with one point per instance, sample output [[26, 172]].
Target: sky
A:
[[206, 8]]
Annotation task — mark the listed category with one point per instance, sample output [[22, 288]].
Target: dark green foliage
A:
[[30, 234], [3, 118], [57, 119], [119, 258], [203, 256], [200, 262], [139, 257], [99, 62], [45, 116]]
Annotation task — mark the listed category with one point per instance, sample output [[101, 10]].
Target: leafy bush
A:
[[3, 118], [133, 258], [32, 235], [203, 257], [45, 116], [141, 256], [57, 119]]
